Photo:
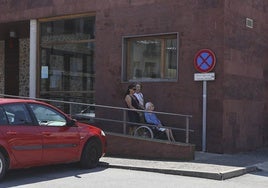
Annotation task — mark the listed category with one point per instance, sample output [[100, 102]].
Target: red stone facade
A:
[[126, 146], [237, 105]]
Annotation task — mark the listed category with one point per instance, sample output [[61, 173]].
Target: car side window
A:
[[3, 117], [17, 114], [47, 116]]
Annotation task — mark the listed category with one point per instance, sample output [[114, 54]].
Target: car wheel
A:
[[2, 166], [90, 155]]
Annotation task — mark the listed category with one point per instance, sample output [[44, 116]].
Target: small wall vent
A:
[[249, 23]]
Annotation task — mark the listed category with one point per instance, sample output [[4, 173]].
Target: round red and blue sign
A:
[[204, 60]]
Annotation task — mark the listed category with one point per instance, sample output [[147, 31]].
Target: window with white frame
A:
[[150, 58]]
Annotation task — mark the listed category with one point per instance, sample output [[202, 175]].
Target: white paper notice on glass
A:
[[44, 72]]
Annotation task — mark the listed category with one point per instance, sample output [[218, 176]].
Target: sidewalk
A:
[[205, 165]]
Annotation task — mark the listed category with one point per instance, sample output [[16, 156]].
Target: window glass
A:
[[150, 58], [67, 61], [47, 116], [3, 117], [68, 30], [17, 114]]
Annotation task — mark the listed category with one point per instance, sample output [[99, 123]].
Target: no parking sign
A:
[[204, 60]]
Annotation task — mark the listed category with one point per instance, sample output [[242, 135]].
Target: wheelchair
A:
[[150, 132]]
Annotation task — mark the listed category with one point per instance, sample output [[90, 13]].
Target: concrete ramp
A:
[[137, 147]]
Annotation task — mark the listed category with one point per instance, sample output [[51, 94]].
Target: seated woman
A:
[[151, 118]]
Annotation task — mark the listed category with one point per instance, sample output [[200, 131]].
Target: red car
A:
[[34, 133]]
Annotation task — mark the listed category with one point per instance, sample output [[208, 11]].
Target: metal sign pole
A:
[[204, 62], [204, 128]]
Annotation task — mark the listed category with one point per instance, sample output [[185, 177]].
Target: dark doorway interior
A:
[[12, 66]]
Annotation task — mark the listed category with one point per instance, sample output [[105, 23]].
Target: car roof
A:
[[16, 100]]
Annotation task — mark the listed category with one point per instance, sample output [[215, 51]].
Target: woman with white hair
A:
[[151, 118]]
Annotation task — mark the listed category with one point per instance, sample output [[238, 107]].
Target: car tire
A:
[[2, 166], [90, 155]]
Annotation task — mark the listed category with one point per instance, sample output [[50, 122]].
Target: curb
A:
[[198, 174], [238, 172]]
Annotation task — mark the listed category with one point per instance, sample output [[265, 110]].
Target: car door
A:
[[60, 142], [22, 137]]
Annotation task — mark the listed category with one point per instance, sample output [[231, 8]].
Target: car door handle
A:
[[46, 133], [11, 132]]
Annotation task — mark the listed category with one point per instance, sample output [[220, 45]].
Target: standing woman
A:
[[133, 104], [138, 94]]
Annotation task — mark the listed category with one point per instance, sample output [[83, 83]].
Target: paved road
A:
[[69, 176], [238, 170]]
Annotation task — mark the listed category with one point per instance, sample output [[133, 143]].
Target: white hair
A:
[[148, 105]]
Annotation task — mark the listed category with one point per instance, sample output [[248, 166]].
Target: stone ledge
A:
[[135, 147]]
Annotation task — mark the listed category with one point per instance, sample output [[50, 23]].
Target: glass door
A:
[[67, 61]]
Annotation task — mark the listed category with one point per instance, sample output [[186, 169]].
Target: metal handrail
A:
[[124, 120]]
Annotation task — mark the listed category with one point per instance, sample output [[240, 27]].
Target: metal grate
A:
[[249, 23]]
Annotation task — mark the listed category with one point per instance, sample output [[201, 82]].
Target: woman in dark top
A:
[[132, 103]]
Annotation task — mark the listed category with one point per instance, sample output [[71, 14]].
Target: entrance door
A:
[[12, 66]]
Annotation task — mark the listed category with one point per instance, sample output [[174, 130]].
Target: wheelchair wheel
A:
[[144, 132]]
